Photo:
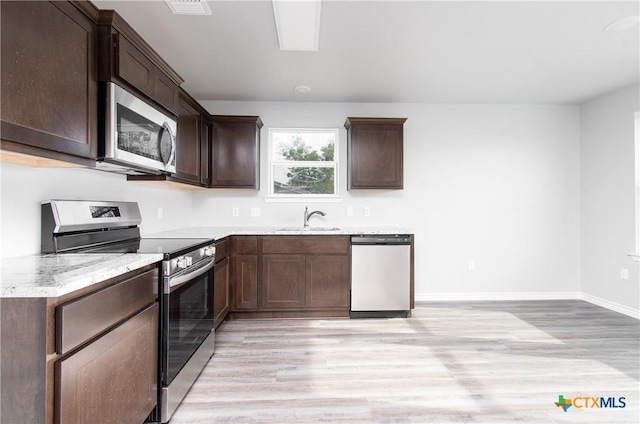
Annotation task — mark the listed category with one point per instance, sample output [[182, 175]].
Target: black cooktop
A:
[[169, 247]]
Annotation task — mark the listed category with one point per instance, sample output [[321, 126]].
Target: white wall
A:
[[607, 197], [24, 188], [496, 184]]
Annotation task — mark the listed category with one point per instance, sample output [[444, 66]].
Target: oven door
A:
[[187, 332]]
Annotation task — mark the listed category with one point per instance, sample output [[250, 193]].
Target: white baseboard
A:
[[444, 297], [462, 297], [633, 313]]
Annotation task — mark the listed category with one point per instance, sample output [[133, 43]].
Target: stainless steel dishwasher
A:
[[380, 276]]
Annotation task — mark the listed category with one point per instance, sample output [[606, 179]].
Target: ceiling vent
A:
[[189, 7]]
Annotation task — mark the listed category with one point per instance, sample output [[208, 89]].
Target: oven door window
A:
[[190, 321]]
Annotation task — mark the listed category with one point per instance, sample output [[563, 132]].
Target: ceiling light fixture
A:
[[297, 24], [302, 89], [189, 7], [622, 24]]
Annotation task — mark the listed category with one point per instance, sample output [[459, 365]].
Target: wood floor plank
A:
[[466, 362]]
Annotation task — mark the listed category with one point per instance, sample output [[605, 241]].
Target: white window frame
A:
[[316, 164]]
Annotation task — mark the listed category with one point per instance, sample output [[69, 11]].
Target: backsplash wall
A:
[[24, 188]]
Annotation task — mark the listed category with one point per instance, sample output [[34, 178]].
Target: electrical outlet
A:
[[472, 264], [235, 211], [160, 213], [624, 273], [349, 211], [366, 211], [255, 212]]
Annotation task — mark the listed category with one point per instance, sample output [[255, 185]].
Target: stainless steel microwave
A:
[[137, 138]]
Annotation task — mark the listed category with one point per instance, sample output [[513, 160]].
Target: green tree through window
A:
[[304, 162]]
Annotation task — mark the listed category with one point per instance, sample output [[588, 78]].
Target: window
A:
[[303, 162]]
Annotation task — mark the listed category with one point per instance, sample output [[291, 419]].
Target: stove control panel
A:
[[184, 262], [187, 260]]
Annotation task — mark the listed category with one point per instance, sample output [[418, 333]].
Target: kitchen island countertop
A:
[[54, 275]]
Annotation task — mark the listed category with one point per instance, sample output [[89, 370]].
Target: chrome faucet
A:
[[308, 215]]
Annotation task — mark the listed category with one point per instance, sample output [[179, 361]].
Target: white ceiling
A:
[[399, 51]]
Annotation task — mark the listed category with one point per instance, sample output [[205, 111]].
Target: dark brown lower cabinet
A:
[[327, 281], [220, 291], [245, 282], [290, 276], [305, 273], [90, 356], [305, 282], [283, 281], [23, 349], [113, 379]]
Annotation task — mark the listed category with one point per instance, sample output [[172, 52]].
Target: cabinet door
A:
[[220, 292], [327, 281], [245, 282], [49, 80], [375, 150], [283, 284], [166, 92], [235, 156], [188, 143], [205, 149], [127, 59], [115, 376], [134, 67]]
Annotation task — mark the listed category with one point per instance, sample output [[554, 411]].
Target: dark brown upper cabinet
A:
[[235, 153], [374, 150], [188, 139], [206, 129], [125, 58], [49, 79]]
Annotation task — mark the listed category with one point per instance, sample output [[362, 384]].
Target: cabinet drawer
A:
[[222, 249], [114, 379], [305, 244], [246, 244], [82, 319]]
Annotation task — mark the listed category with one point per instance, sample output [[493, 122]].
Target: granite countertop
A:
[[56, 275], [222, 232]]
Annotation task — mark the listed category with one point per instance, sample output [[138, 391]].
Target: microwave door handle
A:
[[172, 283]]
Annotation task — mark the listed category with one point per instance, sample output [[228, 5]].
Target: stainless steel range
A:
[[185, 288]]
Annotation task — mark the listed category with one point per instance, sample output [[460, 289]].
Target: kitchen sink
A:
[[307, 229]]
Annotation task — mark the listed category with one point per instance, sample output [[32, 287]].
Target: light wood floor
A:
[[490, 362]]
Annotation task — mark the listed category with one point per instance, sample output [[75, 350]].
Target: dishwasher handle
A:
[[381, 239]]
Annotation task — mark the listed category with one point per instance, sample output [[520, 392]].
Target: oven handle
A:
[[174, 282]]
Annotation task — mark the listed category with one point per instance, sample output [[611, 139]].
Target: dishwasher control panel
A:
[[381, 239]]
